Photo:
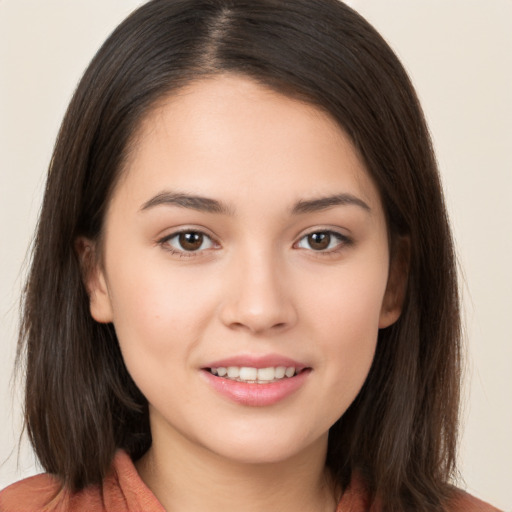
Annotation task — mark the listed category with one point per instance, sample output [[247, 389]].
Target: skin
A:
[[256, 286]]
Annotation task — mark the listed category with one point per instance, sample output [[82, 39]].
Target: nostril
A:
[[257, 312], [256, 327]]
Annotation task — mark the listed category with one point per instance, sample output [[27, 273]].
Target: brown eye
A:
[[187, 242], [324, 241], [319, 241], [191, 241]]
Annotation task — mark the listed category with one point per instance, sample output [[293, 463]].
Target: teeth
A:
[[248, 373], [233, 372], [289, 372], [280, 371], [266, 374], [254, 375]]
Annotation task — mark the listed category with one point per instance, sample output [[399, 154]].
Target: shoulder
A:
[[355, 499], [463, 502], [36, 493], [121, 491], [45, 493]]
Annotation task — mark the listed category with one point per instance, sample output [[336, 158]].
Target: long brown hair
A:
[[81, 403]]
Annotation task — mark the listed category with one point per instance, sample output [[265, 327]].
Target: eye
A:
[[326, 241], [187, 241]]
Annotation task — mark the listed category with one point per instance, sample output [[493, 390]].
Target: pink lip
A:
[[257, 395], [252, 361]]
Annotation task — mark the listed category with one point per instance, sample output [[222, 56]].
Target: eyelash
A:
[[183, 253], [342, 242]]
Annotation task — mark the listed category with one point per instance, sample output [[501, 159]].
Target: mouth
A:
[[251, 375], [256, 381]]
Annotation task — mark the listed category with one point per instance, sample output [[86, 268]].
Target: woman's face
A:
[[244, 237]]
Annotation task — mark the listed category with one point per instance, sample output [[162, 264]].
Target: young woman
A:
[[236, 300]]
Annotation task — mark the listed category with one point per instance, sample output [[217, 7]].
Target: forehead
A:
[[230, 136]]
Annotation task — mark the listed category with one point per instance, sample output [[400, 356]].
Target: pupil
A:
[[191, 241], [319, 241]]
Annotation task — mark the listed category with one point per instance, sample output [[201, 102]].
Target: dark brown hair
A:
[[81, 403]]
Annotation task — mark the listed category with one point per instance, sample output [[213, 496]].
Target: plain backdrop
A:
[[459, 55]]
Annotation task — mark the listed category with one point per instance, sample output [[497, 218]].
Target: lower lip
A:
[[257, 395]]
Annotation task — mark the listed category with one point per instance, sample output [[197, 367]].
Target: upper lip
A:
[[257, 361]]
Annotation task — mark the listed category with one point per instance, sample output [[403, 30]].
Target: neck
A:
[[189, 478]]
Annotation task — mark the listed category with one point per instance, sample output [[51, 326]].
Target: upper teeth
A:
[[248, 374]]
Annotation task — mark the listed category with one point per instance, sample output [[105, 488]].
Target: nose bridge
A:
[[257, 299]]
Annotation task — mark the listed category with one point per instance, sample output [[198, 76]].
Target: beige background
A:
[[459, 54]]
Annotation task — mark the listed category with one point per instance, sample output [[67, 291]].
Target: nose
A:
[[258, 296]]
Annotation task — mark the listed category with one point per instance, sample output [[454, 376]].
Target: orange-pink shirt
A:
[[124, 491]]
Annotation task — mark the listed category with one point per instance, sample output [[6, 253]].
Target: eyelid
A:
[[163, 241], [344, 240]]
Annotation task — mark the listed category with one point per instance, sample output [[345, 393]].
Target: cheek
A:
[[157, 313], [157, 324], [351, 332], [348, 299], [345, 318]]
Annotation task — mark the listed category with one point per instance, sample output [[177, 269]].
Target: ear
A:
[[94, 280], [396, 288]]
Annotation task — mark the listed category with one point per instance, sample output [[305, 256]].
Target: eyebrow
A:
[[322, 203], [202, 204], [209, 205]]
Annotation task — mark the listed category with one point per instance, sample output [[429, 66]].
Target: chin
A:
[[265, 448]]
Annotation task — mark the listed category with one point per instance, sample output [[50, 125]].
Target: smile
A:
[[256, 380], [254, 375]]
